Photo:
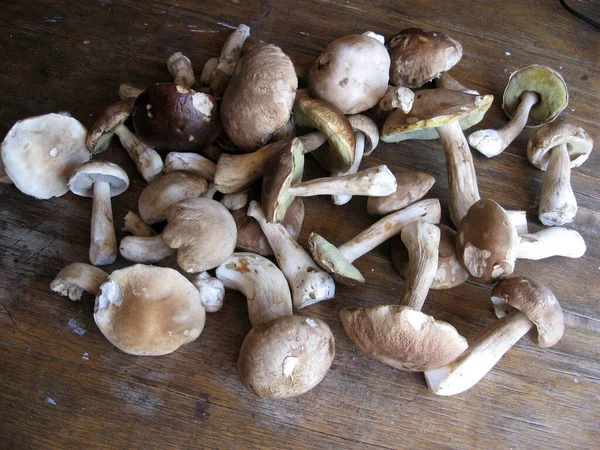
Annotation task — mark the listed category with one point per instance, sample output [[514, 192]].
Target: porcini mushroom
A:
[[338, 261], [534, 95], [75, 279], [100, 180], [555, 241], [557, 148], [99, 137], [180, 68], [212, 291], [447, 81], [520, 303], [148, 310], [136, 226], [410, 187], [148, 162], [397, 97], [40, 153], [230, 55], [190, 162]]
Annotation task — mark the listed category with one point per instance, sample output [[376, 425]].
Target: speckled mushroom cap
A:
[[402, 337], [286, 357], [433, 108], [579, 144], [169, 117], [164, 191], [100, 135], [352, 73], [547, 83], [418, 56], [486, 242], [333, 261], [259, 97], [83, 178], [147, 310], [534, 300], [40, 153]]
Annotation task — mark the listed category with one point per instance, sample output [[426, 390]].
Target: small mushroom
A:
[[180, 68], [190, 162], [148, 162], [147, 310], [100, 180], [99, 137], [520, 303], [534, 95], [77, 278], [397, 97], [230, 55], [338, 261], [411, 187], [555, 241], [40, 153], [557, 148]]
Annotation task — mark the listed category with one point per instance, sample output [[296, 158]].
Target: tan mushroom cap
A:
[[433, 108], [411, 187], [40, 153], [402, 337], [544, 81], [418, 56], [100, 135], [166, 190], [147, 310], [534, 300], [369, 128], [83, 178], [286, 357], [486, 242], [544, 139]]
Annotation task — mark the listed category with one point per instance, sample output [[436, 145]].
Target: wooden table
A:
[[64, 386]]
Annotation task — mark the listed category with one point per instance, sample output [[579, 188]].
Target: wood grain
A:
[[64, 386]]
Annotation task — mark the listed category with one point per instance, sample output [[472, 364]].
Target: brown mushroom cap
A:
[[411, 187], [369, 128], [147, 310], [169, 117], [418, 56], [544, 81], [534, 300], [286, 357], [259, 97], [579, 144], [486, 242], [100, 135], [166, 190], [83, 178], [402, 337]]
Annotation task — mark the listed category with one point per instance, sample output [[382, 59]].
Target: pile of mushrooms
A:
[[234, 147]]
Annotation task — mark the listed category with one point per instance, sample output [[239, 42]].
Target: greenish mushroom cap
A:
[[331, 259]]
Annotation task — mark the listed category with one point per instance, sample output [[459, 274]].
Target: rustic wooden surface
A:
[[64, 386]]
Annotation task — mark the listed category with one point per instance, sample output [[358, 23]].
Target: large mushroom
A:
[[554, 241]]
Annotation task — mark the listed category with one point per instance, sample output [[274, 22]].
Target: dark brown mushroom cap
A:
[[333, 261], [544, 139], [534, 300], [169, 117], [259, 97], [486, 242], [544, 81], [418, 56], [99, 137], [286, 357], [83, 178], [402, 337]]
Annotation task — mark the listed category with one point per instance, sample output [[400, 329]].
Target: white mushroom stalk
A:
[[127, 92], [146, 159], [212, 291], [103, 245], [144, 249], [190, 162], [208, 71], [493, 142], [261, 282], [397, 97], [557, 200], [342, 199], [555, 241], [230, 55], [77, 278], [180, 68], [309, 284], [136, 226], [519, 220]]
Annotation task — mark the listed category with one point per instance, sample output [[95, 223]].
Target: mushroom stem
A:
[[136, 226], [481, 356], [103, 241], [236, 201], [555, 241], [519, 220], [208, 71], [144, 249], [427, 210], [462, 181], [76, 278], [127, 92], [230, 55], [397, 97], [309, 284], [212, 291], [493, 142], [447, 81], [557, 200], [146, 159], [190, 162], [359, 149], [180, 68], [376, 182]]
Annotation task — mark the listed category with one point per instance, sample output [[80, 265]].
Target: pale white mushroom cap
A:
[[83, 178]]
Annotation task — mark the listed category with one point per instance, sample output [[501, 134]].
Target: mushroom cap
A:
[[402, 337], [352, 73], [259, 97], [166, 190], [433, 108], [284, 171], [148, 310], [40, 153], [83, 178], [286, 357], [579, 143], [338, 156], [486, 242], [411, 187], [203, 231], [544, 81], [100, 135], [368, 127], [333, 261], [418, 56], [169, 117], [534, 300]]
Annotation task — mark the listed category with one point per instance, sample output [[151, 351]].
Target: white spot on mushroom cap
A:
[[53, 152], [289, 364], [416, 319], [202, 103], [182, 90], [110, 293], [312, 323]]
